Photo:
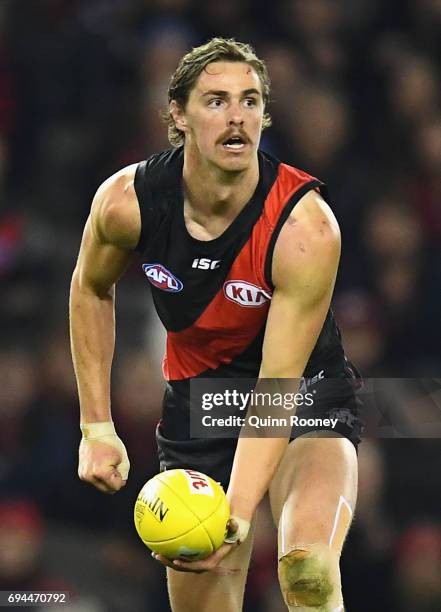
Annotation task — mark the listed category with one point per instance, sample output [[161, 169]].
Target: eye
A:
[[215, 102], [250, 102]]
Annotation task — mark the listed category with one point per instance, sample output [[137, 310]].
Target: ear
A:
[[178, 114]]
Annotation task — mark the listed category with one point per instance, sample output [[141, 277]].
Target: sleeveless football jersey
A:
[[213, 296]]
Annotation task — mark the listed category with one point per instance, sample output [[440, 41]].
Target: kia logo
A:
[[161, 278], [245, 294]]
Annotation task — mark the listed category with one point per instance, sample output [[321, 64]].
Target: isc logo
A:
[[245, 294], [205, 264], [162, 278]]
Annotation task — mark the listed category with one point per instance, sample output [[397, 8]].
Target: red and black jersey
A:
[[213, 296]]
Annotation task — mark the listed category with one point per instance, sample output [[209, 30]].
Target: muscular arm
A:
[[110, 235], [305, 265]]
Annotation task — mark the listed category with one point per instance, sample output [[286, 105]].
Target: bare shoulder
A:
[[115, 214], [313, 222], [309, 243]]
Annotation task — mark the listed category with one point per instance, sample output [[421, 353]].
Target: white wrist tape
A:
[[105, 433], [92, 431], [241, 534]]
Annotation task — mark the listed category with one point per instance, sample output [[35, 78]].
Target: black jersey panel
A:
[[328, 345], [145, 207], [156, 181]]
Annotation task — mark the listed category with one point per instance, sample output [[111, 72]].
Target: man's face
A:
[[223, 115]]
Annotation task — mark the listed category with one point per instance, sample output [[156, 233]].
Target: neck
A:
[[209, 190]]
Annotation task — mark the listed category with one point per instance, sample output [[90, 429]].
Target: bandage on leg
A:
[[309, 577]]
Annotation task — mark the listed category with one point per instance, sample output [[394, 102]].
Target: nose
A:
[[236, 116], [235, 120]]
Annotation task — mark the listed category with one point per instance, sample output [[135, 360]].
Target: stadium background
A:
[[356, 101]]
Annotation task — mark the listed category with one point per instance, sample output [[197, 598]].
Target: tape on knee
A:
[[309, 576]]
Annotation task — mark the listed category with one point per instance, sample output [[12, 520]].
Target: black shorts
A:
[[335, 390]]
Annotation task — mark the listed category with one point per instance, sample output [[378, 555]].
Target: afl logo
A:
[[161, 278], [245, 294]]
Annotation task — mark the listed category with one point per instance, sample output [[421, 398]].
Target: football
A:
[[182, 514]]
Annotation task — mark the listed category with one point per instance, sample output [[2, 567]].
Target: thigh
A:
[[190, 592], [314, 491]]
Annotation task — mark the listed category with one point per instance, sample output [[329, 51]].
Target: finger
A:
[[176, 564], [122, 471], [232, 526], [208, 564], [98, 483], [205, 565], [112, 480], [171, 565], [115, 480], [223, 551], [161, 559], [176, 568], [101, 486], [193, 566], [108, 483]]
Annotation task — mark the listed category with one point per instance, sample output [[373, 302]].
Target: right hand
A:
[[102, 465]]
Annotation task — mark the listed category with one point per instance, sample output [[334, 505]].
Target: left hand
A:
[[209, 564]]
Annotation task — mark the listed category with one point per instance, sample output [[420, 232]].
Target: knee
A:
[[309, 577]]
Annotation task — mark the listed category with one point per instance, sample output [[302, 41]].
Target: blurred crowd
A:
[[356, 102]]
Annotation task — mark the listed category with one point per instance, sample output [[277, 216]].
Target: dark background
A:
[[356, 102]]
